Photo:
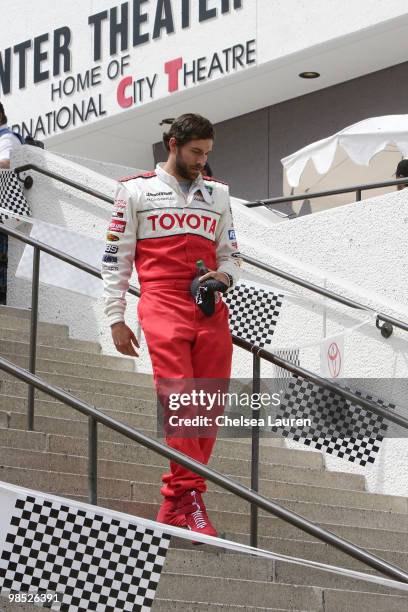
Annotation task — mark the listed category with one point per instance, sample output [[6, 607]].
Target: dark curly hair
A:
[[189, 127], [3, 118]]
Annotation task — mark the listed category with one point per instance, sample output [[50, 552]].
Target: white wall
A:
[[365, 244], [338, 39]]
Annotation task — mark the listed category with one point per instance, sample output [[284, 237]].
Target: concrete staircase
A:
[[54, 459]]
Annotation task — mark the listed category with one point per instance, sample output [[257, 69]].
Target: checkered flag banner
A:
[[11, 195], [75, 559], [253, 312], [337, 425], [289, 354]]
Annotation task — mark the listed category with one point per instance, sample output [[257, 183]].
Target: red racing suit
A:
[[165, 232]]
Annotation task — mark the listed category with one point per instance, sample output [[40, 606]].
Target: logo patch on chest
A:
[[169, 221]]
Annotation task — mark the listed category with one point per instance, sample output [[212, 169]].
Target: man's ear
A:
[[172, 145]]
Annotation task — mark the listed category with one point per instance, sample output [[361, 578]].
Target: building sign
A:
[[120, 57]]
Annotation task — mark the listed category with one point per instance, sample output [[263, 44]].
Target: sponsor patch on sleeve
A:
[[110, 259], [231, 234], [120, 204], [117, 225], [111, 248], [112, 237], [110, 268]]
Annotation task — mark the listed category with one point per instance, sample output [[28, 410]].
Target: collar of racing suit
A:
[[197, 185]]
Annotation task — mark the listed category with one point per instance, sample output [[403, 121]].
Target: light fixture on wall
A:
[[167, 121], [309, 74]]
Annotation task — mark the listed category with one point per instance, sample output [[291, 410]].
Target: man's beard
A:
[[183, 170]]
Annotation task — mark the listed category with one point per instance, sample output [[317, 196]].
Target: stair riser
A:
[[51, 340], [320, 552], [78, 369], [289, 573], [140, 422], [279, 456], [106, 469], [126, 451], [116, 488], [66, 355], [23, 325], [274, 489], [240, 592], [69, 383]]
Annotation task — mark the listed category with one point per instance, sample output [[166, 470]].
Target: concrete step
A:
[[62, 355], [240, 592], [284, 596], [125, 490], [322, 511], [340, 502], [23, 325], [81, 370], [111, 401], [77, 383], [317, 551], [222, 563], [161, 605], [347, 601], [49, 339], [289, 573], [123, 447], [70, 463], [164, 605], [123, 487], [233, 450], [152, 471], [9, 311], [49, 418]]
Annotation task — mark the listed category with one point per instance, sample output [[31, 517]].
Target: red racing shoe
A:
[[192, 507], [169, 513]]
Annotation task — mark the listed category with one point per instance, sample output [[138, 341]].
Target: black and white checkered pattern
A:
[[11, 196], [290, 354], [95, 562], [337, 426], [253, 313]]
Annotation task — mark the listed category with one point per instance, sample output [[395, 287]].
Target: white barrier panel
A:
[[85, 553]]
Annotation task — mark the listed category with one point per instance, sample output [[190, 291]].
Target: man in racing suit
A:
[[164, 221]]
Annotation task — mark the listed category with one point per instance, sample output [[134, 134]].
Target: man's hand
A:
[[219, 276], [124, 339]]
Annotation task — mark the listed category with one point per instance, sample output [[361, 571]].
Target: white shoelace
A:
[[198, 514]]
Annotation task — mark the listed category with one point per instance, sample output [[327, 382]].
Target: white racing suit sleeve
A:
[[119, 254], [228, 256]]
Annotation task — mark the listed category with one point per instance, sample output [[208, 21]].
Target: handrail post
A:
[[33, 335], [256, 380], [358, 195], [92, 460]]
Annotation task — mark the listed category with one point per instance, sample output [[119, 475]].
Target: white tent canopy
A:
[[365, 152]]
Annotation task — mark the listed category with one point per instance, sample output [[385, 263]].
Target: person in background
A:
[[206, 171], [8, 141], [402, 172]]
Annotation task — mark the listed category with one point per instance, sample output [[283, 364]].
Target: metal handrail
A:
[[248, 346], [96, 416], [66, 181], [369, 405], [320, 194], [252, 261], [322, 291]]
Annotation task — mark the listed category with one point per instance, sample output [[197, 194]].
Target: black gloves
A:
[[204, 293]]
